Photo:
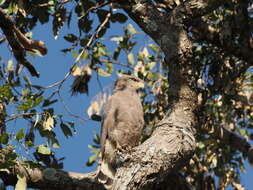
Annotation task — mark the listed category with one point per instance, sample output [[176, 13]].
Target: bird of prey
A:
[[122, 125]]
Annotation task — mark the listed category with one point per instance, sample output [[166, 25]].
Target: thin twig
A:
[[94, 8], [19, 116], [47, 4], [54, 84], [68, 109], [59, 82], [66, 106], [117, 63], [95, 35], [65, 1]]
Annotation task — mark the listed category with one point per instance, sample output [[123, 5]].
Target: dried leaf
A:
[[145, 52], [103, 73], [139, 68], [82, 77], [90, 111], [10, 66], [131, 29], [76, 71], [130, 58], [21, 183], [48, 124], [93, 109]]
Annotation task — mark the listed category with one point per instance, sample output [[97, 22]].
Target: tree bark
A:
[[50, 178]]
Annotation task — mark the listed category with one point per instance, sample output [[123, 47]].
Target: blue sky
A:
[[52, 68]]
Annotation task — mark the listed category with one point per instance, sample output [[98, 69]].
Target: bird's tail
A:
[[105, 174]]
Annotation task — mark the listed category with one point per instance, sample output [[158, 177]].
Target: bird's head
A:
[[129, 82]]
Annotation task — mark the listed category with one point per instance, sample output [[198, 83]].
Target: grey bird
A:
[[121, 127]]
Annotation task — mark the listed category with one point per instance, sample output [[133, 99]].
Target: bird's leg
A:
[[122, 153], [123, 148]]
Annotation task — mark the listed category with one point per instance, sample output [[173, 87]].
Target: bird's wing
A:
[[108, 122], [105, 171]]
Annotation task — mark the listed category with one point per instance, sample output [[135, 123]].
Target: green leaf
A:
[[72, 124], [140, 56], [243, 132], [117, 39], [58, 20], [154, 48], [37, 101], [44, 150], [74, 54], [92, 147], [21, 183], [4, 138], [29, 143], [150, 65], [109, 68], [12, 8], [103, 73], [41, 13], [85, 55], [85, 24], [2, 2], [102, 51], [20, 135], [102, 32], [66, 130], [96, 139], [26, 105], [91, 160], [48, 102], [101, 13], [70, 38], [200, 145], [119, 17], [56, 145], [116, 53], [5, 92]]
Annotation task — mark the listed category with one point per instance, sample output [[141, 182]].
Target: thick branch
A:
[[172, 39], [31, 45], [50, 178], [20, 43], [170, 147]]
